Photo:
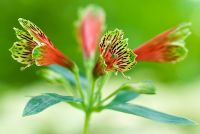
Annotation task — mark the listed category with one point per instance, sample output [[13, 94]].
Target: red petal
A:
[[46, 55]]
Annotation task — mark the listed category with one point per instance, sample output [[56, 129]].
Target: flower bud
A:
[[89, 28], [145, 87]]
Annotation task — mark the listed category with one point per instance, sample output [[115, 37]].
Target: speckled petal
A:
[[37, 34], [22, 49]]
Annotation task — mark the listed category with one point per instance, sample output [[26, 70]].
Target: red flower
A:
[[35, 47], [168, 46], [89, 28], [114, 54]]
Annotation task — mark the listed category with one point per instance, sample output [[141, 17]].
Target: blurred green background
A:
[[178, 84]]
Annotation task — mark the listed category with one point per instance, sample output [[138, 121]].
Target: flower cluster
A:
[[85, 92], [34, 47]]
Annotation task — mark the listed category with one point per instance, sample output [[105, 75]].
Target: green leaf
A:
[[124, 96], [39, 103], [150, 114]]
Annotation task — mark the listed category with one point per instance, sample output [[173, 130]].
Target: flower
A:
[[89, 28], [34, 47], [114, 54], [168, 46]]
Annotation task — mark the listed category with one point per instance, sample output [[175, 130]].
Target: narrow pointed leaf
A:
[[150, 114], [124, 96], [39, 103]]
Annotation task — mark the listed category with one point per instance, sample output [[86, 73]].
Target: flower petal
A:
[[45, 55], [111, 37], [126, 61], [21, 35], [22, 50], [35, 31]]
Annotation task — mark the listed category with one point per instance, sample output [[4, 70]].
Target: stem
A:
[[86, 123], [110, 96], [88, 67], [92, 93], [101, 83], [76, 75], [78, 84]]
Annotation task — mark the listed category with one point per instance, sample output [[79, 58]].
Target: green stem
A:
[[110, 96], [88, 67], [101, 83], [92, 93], [78, 84], [86, 123]]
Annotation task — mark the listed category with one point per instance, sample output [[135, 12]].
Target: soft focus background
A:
[[178, 84]]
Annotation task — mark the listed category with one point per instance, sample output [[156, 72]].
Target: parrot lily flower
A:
[[89, 28], [34, 47], [168, 46], [114, 54]]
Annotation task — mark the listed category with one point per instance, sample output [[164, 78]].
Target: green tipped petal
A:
[[176, 47], [37, 34], [22, 52], [177, 53], [181, 32], [22, 49], [111, 37], [128, 61], [21, 35]]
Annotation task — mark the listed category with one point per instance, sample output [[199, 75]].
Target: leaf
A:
[[124, 96], [69, 75], [150, 114], [39, 103]]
